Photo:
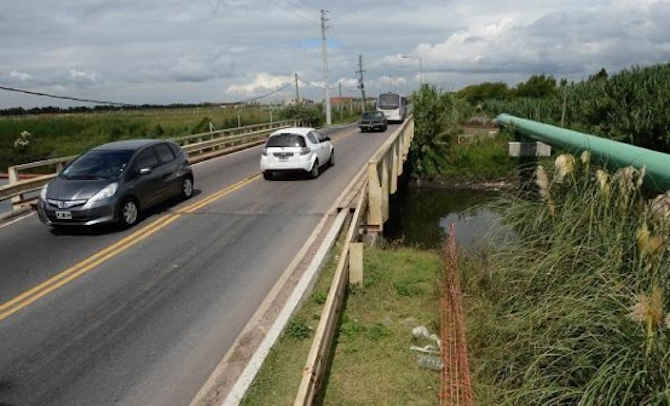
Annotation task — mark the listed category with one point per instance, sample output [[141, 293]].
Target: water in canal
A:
[[421, 217]]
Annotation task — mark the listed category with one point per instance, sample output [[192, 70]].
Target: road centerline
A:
[[31, 295]]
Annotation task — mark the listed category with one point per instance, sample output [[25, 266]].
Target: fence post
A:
[[394, 164], [355, 263], [385, 188], [374, 198], [13, 179]]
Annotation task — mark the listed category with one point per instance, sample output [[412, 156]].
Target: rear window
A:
[[286, 140]]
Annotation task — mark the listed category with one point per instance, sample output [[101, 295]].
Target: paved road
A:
[[149, 325]]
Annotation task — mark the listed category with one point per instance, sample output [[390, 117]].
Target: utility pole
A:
[[297, 90], [340, 89], [361, 85], [324, 55]]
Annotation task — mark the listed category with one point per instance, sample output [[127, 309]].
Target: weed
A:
[[319, 297], [377, 331], [405, 288], [298, 329]]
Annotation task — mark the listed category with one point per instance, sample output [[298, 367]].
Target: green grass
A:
[[562, 314], [55, 135], [479, 159], [372, 364]]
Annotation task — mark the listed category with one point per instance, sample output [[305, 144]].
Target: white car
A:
[[296, 149]]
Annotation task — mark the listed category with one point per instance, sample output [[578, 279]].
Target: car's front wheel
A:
[[129, 214], [331, 161], [187, 188]]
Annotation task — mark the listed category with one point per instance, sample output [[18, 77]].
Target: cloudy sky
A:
[[168, 51]]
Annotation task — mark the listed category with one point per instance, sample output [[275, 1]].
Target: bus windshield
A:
[[389, 101]]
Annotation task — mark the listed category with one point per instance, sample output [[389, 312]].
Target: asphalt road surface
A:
[[148, 323]]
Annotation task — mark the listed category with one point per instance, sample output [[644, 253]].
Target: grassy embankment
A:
[[575, 309], [372, 362]]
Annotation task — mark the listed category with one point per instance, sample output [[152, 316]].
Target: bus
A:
[[393, 106]]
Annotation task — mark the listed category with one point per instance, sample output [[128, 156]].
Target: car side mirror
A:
[[326, 138], [145, 171]]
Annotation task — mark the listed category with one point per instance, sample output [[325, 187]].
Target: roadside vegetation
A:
[[32, 137], [630, 106], [446, 149], [28, 138], [575, 309], [372, 362]]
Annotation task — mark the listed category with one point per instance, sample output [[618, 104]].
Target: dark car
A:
[[373, 120], [115, 182]]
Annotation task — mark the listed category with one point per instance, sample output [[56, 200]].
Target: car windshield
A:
[[372, 114], [286, 140], [98, 164]]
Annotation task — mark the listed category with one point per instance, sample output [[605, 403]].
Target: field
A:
[[54, 135]]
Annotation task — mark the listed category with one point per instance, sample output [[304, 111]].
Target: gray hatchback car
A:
[[115, 182]]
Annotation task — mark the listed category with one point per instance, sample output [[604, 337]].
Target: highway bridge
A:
[[145, 316]]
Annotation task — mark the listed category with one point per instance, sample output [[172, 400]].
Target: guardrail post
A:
[[386, 183], [13, 178], [356, 263], [375, 219], [395, 160]]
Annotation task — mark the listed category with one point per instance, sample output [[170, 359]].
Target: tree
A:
[[601, 75], [488, 90], [537, 86]]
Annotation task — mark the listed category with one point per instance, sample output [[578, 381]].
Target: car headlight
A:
[[105, 193], [43, 192]]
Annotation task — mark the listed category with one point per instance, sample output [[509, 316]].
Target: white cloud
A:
[[262, 82], [22, 76], [164, 51], [79, 75]]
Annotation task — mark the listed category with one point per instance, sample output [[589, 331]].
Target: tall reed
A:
[[574, 309]]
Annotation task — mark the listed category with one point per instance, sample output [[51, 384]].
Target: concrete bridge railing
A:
[[383, 171]]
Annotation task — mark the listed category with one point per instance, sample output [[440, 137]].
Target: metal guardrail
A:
[[197, 146]]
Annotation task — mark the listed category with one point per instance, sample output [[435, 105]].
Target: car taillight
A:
[[305, 151]]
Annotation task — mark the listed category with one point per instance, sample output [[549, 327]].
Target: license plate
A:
[[63, 215]]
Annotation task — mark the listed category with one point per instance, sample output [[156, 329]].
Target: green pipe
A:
[[607, 152]]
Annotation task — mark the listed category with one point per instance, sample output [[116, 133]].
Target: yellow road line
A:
[[68, 275]]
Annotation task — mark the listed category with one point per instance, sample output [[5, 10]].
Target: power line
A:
[[284, 86], [53, 96]]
